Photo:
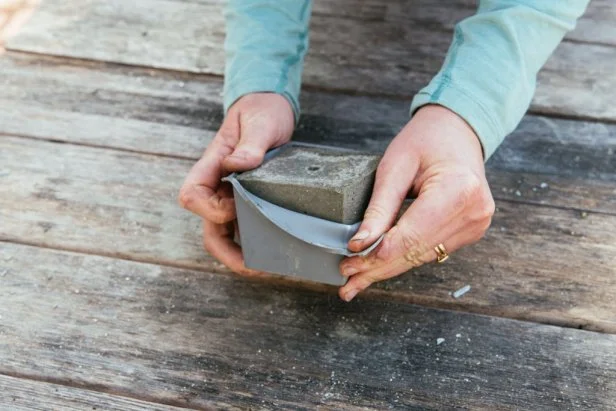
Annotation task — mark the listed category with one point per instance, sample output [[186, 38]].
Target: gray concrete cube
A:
[[318, 181]]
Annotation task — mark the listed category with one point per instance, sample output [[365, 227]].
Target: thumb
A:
[[394, 178], [266, 121], [248, 153], [258, 134]]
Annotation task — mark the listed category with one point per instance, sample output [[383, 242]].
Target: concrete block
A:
[[321, 182]]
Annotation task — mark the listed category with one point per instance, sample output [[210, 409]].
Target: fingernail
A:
[[362, 235], [350, 295], [349, 271]]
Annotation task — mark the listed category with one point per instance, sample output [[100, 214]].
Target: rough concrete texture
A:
[[320, 182]]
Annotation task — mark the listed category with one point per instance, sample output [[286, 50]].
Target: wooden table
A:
[[108, 301]]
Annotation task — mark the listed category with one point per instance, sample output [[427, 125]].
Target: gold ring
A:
[[441, 253]]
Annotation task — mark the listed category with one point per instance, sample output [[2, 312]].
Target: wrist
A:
[[265, 100], [236, 90], [464, 131]]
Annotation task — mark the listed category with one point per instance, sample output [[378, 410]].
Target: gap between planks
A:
[[496, 193], [79, 395], [350, 92], [212, 340], [371, 294], [99, 146], [566, 84], [569, 133], [79, 199]]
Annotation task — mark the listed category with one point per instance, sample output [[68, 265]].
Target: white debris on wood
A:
[[439, 341], [461, 291], [544, 185]]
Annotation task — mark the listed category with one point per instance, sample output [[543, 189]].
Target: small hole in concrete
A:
[[314, 168]]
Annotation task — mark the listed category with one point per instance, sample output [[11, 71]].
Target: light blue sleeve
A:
[[265, 44], [489, 75]]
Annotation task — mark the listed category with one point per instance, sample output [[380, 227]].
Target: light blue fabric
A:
[[265, 46], [488, 77]]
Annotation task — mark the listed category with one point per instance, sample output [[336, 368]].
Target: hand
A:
[[437, 157], [253, 125]]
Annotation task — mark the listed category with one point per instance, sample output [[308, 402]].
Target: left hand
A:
[[254, 124], [438, 157]]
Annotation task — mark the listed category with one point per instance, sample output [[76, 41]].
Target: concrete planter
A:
[[278, 240]]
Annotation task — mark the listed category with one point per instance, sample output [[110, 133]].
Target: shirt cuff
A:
[[233, 92], [468, 108]]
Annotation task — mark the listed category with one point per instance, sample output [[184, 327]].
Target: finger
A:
[[257, 135], [367, 274], [393, 180], [359, 282], [440, 215], [444, 207], [200, 195], [218, 241], [200, 192], [356, 265]]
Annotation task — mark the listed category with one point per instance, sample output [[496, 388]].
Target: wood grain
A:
[[177, 115], [537, 263], [202, 340], [597, 24], [367, 54], [126, 202], [17, 394]]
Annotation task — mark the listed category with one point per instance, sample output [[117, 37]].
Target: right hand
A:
[[254, 124]]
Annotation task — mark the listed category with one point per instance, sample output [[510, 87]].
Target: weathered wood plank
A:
[[393, 57], [597, 24], [123, 204], [18, 394], [81, 193], [177, 115], [204, 340], [578, 72]]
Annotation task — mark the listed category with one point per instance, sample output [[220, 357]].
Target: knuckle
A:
[[387, 175], [470, 188], [226, 138], [484, 208], [251, 154], [216, 218], [186, 197], [475, 197], [410, 240], [366, 281], [228, 133], [484, 225], [375, 212]]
